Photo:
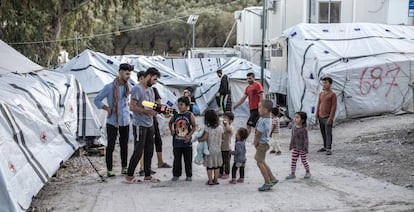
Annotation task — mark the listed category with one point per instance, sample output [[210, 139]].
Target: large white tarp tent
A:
[[176, 75], [174, 80], [42, 114], [9, 65], [202, 72], [94, 70], [371, 66]]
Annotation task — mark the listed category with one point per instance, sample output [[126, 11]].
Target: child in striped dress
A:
[[299, 144]]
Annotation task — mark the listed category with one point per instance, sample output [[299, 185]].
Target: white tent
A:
[[174, 80], [203, 73], [41, 116], [92, 69], [8, 65], [371, 66]]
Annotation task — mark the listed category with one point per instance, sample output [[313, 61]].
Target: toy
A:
[[160, 108]]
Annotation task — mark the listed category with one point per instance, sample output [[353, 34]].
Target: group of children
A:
[[218, 137]]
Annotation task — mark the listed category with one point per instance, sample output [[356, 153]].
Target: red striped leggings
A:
[[295, 156]]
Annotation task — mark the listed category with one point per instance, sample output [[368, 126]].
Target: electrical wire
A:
[[99, 35]]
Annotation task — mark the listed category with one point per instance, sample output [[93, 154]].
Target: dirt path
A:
[[370, 169]]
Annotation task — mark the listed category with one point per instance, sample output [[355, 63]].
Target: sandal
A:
[[164, 165], [131, 180], [151, 180], [209, 183]]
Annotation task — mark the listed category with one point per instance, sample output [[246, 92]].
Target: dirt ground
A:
[[378, 148], [381, 147]]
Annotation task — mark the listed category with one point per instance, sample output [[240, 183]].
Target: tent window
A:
[[334, 12], [277, 51]]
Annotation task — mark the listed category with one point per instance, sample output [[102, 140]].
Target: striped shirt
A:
[[275, 125]]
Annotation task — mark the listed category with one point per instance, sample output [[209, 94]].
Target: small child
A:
[[261, 142], [213, 135], [299, 144], [228, 118], [184, 124], [239, 155], [274, 133]]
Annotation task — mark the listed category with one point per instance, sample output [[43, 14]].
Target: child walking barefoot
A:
[[239, 155], [299, 144], [213, 135]]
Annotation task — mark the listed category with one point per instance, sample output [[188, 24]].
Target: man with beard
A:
[[255, 93], [116, 94], [143, 120]]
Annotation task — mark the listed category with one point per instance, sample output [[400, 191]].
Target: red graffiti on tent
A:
[[372, 78]]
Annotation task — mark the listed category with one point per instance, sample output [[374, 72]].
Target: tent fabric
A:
[[371, 66], [200, 74], [93, 69], [36, 136], [39, 116], [203, 73], [70, 95], [14, 61]]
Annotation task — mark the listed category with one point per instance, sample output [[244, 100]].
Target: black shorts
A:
[[253, 118]]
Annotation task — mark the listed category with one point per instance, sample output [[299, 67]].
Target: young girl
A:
[[274, 133], [239, 155], [228, 118], [213, 135], [299, 144]]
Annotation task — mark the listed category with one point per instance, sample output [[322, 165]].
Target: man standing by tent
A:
[[157, 134], [223, 92], [116, 94], [143, 120], [255, 93], [325, 114]]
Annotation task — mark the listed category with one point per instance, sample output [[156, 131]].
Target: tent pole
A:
[[262, 56]]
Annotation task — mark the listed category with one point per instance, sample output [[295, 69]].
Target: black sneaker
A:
[[328, 152], [322, 150]]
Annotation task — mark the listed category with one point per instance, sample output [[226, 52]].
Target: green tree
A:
[[114, 26]]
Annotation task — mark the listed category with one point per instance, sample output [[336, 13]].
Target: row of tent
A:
[[43, 115], [46, 114], [93, 70]]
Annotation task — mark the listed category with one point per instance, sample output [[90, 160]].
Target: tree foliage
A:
[[114, 26]]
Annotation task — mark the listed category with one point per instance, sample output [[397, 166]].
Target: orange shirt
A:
[[326, 105]]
